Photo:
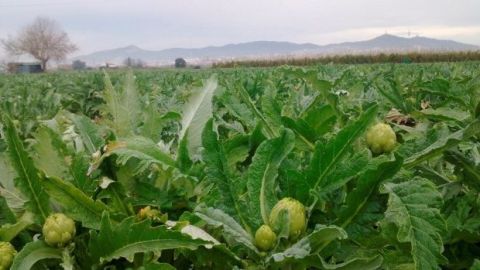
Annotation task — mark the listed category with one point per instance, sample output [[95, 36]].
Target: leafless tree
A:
[[43, 39]]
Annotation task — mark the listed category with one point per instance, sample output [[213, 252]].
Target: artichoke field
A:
[[325, 167]]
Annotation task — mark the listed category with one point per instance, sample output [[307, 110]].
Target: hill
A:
[[383, 43]]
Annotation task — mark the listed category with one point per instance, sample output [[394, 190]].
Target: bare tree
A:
[[44, 39]]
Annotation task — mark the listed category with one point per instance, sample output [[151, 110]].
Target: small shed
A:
[[24, 67]]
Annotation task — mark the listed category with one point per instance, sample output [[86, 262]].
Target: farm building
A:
[[24, 67]]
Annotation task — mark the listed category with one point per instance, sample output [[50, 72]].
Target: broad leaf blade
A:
[[196, 113], [327, 156], [28, 180], [32, 253], [10, 195], [470, 170], [6, 214], [216, 170], [442, 144], [48, 154], [122, 108], [272, 111], [344, 172], [129, 237], [89, 132], [232, 231], [413, 206], [10, 231], [245, 98], [144, 150], [75, 203], [183, 161], [446, 114], [263, 172], [310, 244], [367, 184]]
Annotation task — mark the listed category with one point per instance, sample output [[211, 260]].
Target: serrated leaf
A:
[[28, 180], [237, 149], [197, 233], [326, 156], [33, 252], [6, 214], [245, 98], [310, 244], [472, 172], [11, 195], [78, 169], [9, 231], [393, 93], [14, 200], [147, 194], [127, 238], [232, 230], [7, 172], [380, 170], [446, 114], [115, 193], [216, 170], [302, 129], [239, 109], [48, 156], [320, 119], [344, 171], [413, 206], [397, 260], [75, 203], [183, 157], [271, 109], [442, 144], [122, 108], [89, 132], [144, 150], [154, 122], [196, 113], [360, 229], [262, 174], [131, 100]]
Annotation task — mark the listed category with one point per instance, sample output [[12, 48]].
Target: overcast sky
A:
[[158, 24]]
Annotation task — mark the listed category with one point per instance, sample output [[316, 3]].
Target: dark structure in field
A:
[[24, 68], [180, 63], [79, 65]]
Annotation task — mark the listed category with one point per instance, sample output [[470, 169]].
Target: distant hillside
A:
[[394, 43], [383, 43]]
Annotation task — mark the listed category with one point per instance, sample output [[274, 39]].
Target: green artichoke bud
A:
[[296, 216], [381, 138], [7, 252], [58, 230], [265, 238]]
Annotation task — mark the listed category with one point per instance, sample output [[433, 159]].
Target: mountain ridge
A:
[[383, 43]]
